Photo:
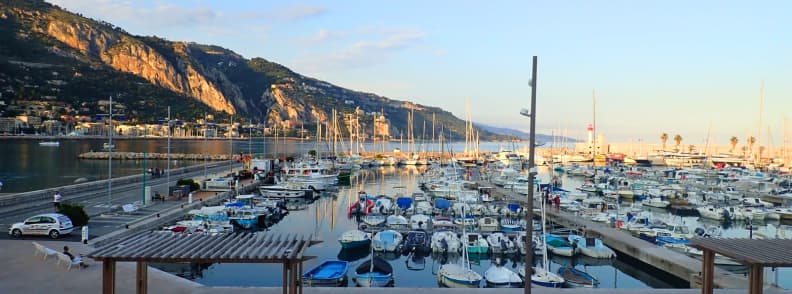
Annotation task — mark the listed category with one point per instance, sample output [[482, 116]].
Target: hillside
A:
[[47, 53]]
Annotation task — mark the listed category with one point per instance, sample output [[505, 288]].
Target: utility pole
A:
[[145, 154], [110, 156], [206, 150], [167, 171], [531, 177]]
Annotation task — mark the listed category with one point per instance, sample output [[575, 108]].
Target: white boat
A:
[[711, 212], [423, 207], [543, 278], [592, 247], [500, 277], [445, 242], [108, 146], [382, 205], [656, 202], [374, 219], [49, 143], [500, 243], [488, 224], [387, 240], [218, 184], [419, 222], [286, 190], [396, 222]]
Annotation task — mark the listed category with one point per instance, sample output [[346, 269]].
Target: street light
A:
[[531, 175]]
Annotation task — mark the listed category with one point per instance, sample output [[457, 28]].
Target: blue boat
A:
[[404, 202], [442, 204], [375, 272], [331, 273]]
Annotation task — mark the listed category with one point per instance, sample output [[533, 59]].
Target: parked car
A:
[[48, 224]]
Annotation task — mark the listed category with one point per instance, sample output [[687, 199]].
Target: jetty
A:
[[155, 156]]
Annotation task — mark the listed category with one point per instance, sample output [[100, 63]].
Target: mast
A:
[[759, 133]]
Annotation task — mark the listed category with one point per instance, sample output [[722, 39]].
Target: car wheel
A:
[[16, 233], [54, 234]]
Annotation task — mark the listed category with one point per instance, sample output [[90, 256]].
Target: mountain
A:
[[71, 65], [519, 134]]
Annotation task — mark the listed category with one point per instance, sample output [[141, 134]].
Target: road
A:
[[103, 210]]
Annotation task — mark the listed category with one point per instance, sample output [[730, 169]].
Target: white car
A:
[[49, 224]]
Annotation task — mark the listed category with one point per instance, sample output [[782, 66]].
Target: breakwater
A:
[[155, 156]]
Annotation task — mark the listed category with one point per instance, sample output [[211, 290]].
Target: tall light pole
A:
[[531, 176], [206, 151], [167, 171], [110, 156]]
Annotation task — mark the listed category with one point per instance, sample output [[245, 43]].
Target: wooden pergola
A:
[[167, 247], [755, 254]]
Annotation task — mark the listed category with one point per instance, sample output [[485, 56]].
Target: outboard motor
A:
[[726, 215], [700, 232]]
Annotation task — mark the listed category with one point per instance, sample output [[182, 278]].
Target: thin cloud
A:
[[323, 36], [376, 50], [300, 11], [157, 15]]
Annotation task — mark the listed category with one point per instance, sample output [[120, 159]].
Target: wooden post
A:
[[756, 279], [299, 277], [142, 277], [708, 271], [285, 276], [293, 279], [108, 276]]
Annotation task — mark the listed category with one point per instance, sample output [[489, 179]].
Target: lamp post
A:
[[110, 147], [531, 175]]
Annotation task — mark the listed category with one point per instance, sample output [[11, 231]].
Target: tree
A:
[[678, 140], [733, 141], [664, 138], [751, 141]]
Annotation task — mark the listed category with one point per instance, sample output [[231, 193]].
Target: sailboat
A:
[[459, 275], [542, 276]]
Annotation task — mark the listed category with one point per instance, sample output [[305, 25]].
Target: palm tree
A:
[[751, 142], [678, 140], [664, 138], [733, 142]]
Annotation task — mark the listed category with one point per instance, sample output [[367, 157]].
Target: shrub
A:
[[75, 212], [189, 182]]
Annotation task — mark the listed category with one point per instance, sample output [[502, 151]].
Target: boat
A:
[[559, 245], [419, 222], [542, 276], [362, 206], [108, 146], [445, 242], [397, 222], [354, 239], [500, 243], [512, 225], [711, 212], [488, 224], [423, 207], [331, 273], [476, 244], [458, 275], [288, 190], [374, 220], [387, 240], [416, 242], [591, 247], [375, 272], [498, 276], [575, 278], [49, 143], [656, 202], [382, 205]]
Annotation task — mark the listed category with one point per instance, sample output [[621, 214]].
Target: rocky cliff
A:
[[218, 78]]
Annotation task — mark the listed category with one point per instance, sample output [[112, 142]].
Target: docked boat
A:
[[387, 240], [419, 222], [397, 222], [457, 275], [354, 239], [107, 146], [575, 278], [445, 242], [49, 143], [656, 202], [288, 190], [560, 246], [375, 272], [500, 243], [591, 247], [512, 225], [331, 273], [498, 276], [476, 244], [374, 220], [416, 242], [488, 224]]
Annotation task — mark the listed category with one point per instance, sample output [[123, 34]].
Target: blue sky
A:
[[680, 67]]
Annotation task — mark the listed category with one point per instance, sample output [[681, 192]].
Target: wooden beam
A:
[[293, 279], [708, 271], [142, 277], [108, 276], [756, 279]]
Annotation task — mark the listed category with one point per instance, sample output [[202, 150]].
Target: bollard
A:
[[126, 226], [158, 214], [85, 234], [189, 198]]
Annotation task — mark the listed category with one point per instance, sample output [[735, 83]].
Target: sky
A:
[[693, 68]]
